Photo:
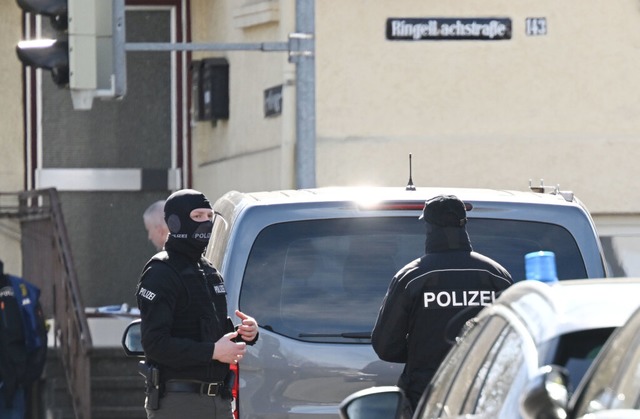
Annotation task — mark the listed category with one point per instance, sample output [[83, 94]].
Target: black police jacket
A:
[[13, 351], [183, 309], [429, 300]]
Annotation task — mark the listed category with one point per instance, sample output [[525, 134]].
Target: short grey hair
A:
[[154, 213]]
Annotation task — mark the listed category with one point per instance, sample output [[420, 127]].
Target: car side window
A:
[[576, 351], [614, 380], [437, 403], [502, 370], [486, 361]]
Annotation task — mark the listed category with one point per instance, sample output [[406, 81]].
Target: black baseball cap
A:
[[445, 211]]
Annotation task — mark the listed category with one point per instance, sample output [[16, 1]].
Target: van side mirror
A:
[[547, 395], [385, 402], [131, 339]]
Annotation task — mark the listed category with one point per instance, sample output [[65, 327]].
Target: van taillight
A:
[[399, 206], [234, 391], [391, 206]]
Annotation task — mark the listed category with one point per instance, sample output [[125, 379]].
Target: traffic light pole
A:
[[301, 49]]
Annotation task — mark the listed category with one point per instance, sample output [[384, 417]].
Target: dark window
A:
[[576, 352], [324, 280], [615, 382], [508, 241]]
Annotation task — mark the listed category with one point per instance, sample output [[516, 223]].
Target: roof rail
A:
[[553, 190]]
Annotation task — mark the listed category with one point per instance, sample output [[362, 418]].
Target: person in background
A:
[[13, 353], [188, 340], [157, 230], [431, 295]]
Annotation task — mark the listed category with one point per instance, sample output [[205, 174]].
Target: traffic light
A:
[[55, 9], [88, 53], [48, 54]]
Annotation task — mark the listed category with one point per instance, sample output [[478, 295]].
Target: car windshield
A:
[[324, 280]]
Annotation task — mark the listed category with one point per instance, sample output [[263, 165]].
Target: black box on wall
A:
[[210, 89]]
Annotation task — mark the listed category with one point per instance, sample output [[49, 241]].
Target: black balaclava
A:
[[446, 218], [185, 235]]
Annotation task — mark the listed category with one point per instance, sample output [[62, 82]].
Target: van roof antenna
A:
[[410, 186]]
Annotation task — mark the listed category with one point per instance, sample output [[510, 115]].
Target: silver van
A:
[[312, 266]]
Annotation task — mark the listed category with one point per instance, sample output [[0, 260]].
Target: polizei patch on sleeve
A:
[[219, 289], [458, 298], [146, 294], [6, 291]]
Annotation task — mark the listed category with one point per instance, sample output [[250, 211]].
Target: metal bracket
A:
[[553, 190], [300, 45]]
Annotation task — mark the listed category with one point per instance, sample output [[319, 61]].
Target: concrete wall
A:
[[13, 157]]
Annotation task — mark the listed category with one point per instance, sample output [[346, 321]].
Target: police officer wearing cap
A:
[[431, 297], [188, 339]]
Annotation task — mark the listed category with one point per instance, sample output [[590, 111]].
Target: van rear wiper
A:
[[347, 335]]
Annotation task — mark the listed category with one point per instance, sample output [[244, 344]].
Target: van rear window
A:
[[324, 280]]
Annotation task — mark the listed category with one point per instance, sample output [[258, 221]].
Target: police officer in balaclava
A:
[[188, 235], [188, 339], [446, 286]]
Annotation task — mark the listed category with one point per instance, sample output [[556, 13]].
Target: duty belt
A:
[[206, 389]]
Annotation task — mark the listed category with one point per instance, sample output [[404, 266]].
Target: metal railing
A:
[[48, 263]]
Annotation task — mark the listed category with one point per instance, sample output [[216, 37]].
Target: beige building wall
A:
[[11, 103], [249, 151], [561, 106]]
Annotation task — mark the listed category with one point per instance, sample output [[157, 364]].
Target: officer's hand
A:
[[228, 351], [248, 330]]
